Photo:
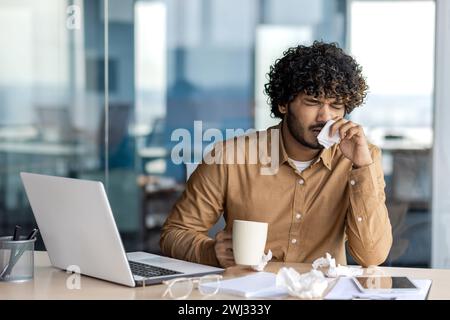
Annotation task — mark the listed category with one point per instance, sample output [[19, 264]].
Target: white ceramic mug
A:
[[249, 241]]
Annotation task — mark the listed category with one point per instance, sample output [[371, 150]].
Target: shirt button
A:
[[352, 182], [301, 181], [359, 219], [298, 216], [294, 241]]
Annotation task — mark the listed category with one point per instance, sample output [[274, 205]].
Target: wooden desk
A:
[[50, 283]]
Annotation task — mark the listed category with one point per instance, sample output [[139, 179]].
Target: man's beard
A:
[[298, 132]]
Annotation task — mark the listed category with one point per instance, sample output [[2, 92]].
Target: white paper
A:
[[324, 135], [257, 285], [345, 289]]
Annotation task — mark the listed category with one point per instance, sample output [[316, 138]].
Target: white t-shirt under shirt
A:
[[301, 165]]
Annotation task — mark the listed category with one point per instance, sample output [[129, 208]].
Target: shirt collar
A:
[[326, 155]]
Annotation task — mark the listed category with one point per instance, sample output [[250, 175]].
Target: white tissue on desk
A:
[[306, 286], [264, 260], [328, 261], [324, 136], [333, 270]]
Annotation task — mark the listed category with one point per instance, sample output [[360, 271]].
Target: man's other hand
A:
[[224, 249]]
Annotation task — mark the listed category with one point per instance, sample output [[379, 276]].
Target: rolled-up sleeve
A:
[[368, 228], [185, 232]]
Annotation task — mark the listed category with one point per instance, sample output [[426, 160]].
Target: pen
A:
[[16, 233], [33, 234], [12, 254]]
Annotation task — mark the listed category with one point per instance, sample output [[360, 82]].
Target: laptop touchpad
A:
[[158, 260]]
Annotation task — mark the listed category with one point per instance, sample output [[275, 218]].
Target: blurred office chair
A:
[[412, 177], [410, 231]]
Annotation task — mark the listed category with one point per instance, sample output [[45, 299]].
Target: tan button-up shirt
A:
[[309, 213]]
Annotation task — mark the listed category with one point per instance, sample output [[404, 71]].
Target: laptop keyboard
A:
[[149, 271]]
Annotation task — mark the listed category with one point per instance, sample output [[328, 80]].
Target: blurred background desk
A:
[[158, 195], [50, 283], [54, 158]]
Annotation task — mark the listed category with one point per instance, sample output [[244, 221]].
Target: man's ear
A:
[[282, 109]]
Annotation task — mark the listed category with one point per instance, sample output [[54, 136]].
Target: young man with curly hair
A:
[[319, 198]]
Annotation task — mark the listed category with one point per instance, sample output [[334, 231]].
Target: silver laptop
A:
[[78, 228]]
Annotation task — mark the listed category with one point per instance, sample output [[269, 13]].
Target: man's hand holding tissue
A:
[[224, 249], [353, 143]]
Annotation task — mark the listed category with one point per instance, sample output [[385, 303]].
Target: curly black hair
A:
[[319, 70]]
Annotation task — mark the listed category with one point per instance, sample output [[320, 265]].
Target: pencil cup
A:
[[16, 259]]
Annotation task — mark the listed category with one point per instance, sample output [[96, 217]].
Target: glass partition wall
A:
[[51, 98]]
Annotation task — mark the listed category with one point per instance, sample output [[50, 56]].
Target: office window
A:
[[394, 43]]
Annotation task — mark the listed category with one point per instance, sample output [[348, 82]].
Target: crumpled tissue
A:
[[305, 286], [324, 135], [314, 283], [333, 270], [264, 259]]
